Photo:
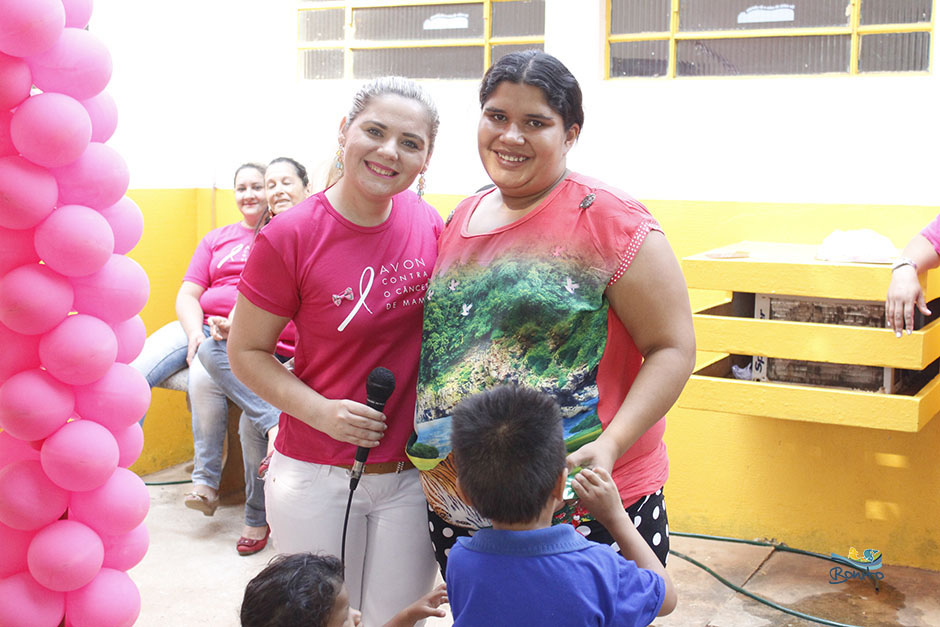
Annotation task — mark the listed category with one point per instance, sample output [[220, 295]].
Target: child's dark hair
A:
[[509, 450], [542, 70], [297, 589]]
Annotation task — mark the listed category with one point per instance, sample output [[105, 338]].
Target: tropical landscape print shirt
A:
[[525, 304]]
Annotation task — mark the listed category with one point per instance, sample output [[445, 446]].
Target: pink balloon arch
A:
[[71, 513]]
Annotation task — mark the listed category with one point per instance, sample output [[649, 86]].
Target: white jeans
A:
[[389, 558]]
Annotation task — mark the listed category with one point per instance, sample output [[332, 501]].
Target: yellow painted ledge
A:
[[895, 412], [818, 342], [791, 269]]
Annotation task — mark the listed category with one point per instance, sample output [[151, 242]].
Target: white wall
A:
[[203, 85]]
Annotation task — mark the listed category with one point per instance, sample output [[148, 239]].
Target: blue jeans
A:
[[164, 354], [258, 417], [209, 406]]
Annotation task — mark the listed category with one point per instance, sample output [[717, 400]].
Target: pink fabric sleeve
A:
[[267, 281], [932, 233], [198, 270]]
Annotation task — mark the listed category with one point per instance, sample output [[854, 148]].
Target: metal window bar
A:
[[854, 29], [351, 45]]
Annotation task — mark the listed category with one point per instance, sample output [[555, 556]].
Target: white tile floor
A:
[[192, 575]]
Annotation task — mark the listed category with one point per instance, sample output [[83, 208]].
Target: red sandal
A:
[[247, 546]]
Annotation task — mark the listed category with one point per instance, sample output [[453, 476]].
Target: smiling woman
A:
[[556, 281], [208, 290], [327, 266]]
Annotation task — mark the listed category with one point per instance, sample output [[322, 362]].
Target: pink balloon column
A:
[[71, 513]]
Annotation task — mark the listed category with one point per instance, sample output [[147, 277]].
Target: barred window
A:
[[444, 39], [678, 38]]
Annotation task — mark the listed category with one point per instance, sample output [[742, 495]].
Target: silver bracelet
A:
[[903, 261]]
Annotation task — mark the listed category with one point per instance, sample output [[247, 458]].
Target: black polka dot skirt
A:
[[648, 514]]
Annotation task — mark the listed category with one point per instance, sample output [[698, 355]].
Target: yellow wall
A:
[[174, 222], [814, 486]]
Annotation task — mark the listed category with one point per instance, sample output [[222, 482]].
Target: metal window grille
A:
[[446, 39], [680, 38]]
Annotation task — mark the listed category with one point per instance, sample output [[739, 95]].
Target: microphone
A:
[[379, 386]]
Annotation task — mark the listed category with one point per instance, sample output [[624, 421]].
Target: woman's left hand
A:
[[601, 453], [219, 327]]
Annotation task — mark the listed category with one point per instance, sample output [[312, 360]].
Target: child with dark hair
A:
[[307, 589], [510, 456]]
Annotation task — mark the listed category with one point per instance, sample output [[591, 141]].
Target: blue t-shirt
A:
[[550, 576]]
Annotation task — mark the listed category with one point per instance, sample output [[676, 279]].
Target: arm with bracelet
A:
[[905, 292]]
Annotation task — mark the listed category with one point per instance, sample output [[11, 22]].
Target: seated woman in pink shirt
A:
[[286, 184], [208, 289]]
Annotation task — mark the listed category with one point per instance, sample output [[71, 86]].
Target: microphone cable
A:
[[379, 386]]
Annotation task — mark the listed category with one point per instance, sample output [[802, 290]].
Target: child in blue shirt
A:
[[510, 456]]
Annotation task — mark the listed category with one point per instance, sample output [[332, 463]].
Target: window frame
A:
[[854, 28], [349, 43]]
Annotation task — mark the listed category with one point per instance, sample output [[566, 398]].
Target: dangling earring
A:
[[339, 158], [421, 184]]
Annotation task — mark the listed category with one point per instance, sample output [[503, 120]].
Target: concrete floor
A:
[[192, 575]]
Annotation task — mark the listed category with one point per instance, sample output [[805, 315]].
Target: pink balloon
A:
[[6, 142], [16, 249], [34, 299], [116, 400], [15, 544], [130, 441], [28, 498], [29, 193], [127, 224], [77, 12], [116, 292], [15, 81], [79, 351], [124, 551], [51, 130], [131, 335], [33, 405], [13, 450], [65, 556], [26, 603], [80, 456], [110, 600], [96, 179], [78, 65], [20, 352], [75, 240], [114, 508], [30, 26], [104, 116]]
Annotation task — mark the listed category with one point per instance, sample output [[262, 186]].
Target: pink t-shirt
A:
[[525, 303], [356, 295], [217, 265], [932, 233]]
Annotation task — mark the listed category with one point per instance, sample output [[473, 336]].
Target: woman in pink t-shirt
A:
[[349, 266], [208, 289], [286, 184], [905, 294]]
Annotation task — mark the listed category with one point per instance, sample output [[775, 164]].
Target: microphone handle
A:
[[362, 453]]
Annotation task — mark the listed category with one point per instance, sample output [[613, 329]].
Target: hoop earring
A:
[[421, 184], [339, 158]]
